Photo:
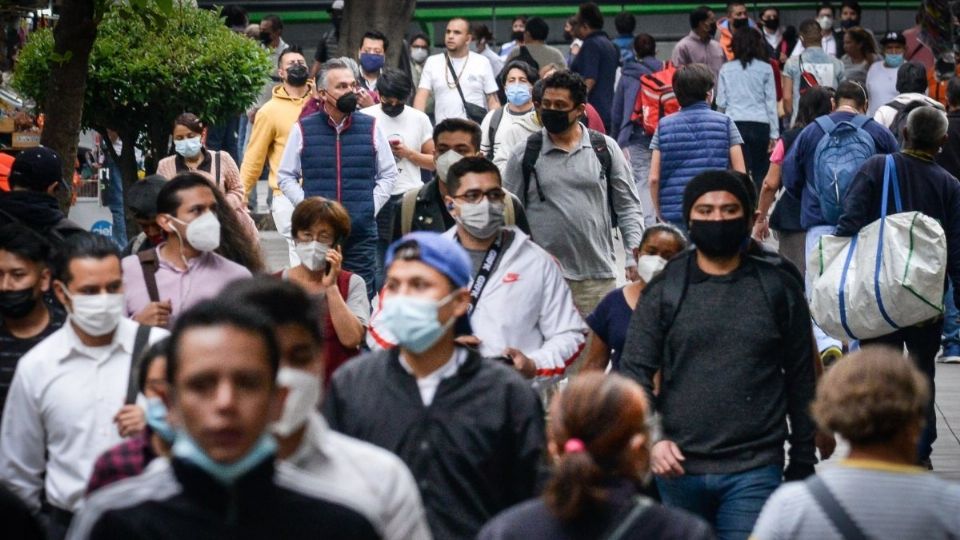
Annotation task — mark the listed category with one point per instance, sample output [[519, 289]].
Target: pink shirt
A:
[[776, 156], [204, 278]]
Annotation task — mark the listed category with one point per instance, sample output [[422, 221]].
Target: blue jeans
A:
[[112, 197], [729, 502], [640, 156], [951, 327]]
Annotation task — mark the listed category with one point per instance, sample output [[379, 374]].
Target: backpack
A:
[[492, 130], [900, 120], [524, 56], [408, 210], [532, 152], [655, 99], [807, 80], [838, 156]]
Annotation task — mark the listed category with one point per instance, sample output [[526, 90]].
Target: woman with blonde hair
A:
[[599, 442]]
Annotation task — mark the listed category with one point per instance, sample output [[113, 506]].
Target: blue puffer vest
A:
[[693, 140], [343, 168]]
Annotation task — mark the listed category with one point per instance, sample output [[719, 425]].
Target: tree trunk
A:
[[388, 16], [73, 37]]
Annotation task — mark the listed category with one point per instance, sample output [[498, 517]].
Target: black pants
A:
[[384, 234], [922, 342], [756, 140]]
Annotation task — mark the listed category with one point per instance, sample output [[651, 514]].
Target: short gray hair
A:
[[926, 127], [336, 63]]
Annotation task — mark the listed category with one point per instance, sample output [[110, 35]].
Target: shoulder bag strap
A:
[[408, 206], [837, 515], [456, 80], [509, 212], [216, 161], [139, 344], [492, 129], [490, 260], [149, 264], [640, 506], [528, 165]]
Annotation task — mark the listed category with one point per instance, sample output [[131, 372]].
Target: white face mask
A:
[[648, 266], [313, 255], [826, 23], [445, 161], [418, 54], [95, 314], [303, 395], [203, 233]]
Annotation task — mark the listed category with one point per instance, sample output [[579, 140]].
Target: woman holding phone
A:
[[318, 227]]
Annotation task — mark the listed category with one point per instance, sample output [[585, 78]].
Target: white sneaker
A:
[[949, 360]]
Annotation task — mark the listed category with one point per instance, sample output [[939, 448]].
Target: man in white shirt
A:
[[476, 77], [411, 140], [828, 40], [67, 401], [882, 76]]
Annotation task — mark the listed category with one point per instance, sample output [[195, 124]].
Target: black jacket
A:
[[38, 211], [949, 158], [430, 213], [474, 451], [183, 502]]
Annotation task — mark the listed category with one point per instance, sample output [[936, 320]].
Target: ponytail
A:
[[576, 486]]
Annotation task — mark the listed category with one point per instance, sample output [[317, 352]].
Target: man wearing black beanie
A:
[[731, 335]]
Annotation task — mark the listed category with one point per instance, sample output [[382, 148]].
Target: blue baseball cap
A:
[[437, 251]]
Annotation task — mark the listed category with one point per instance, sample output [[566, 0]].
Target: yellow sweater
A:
[[269, 136]]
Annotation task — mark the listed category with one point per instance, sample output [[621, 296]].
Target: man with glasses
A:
[[343, 157], [576, 186]]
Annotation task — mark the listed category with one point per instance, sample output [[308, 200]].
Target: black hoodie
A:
[[39, 211]]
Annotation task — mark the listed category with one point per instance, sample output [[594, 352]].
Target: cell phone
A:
[[335, 245], [503, 358]]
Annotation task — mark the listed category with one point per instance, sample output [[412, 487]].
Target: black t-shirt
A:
[[13, 348]]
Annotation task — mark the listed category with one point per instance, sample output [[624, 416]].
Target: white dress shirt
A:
[[59, 413], [289, 173]]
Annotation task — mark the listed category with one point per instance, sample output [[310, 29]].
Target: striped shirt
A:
[[887, 501]]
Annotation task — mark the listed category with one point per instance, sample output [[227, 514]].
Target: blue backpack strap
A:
[[826, 124], [860, 120]]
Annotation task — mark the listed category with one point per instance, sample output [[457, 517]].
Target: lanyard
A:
[[486, 267]]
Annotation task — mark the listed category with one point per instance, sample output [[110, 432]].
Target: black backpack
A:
[[532, 152], [900, 120]]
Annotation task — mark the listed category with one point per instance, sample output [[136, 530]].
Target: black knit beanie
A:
[[715, 180]]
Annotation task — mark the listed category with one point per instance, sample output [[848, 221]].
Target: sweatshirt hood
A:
[[39, 209], [280, 93], [637, 68]]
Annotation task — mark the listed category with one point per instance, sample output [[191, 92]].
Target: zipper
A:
[[339, 171], [232, 504]]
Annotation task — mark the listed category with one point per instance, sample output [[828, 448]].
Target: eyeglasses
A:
[[473, 196]]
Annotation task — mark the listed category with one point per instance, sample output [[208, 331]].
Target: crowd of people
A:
[[446, 353]]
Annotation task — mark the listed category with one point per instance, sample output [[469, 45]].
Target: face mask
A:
[[555, 121], [419, 54], [297, 75], [413, 321], [371, 62], [392, 111], [893, 60], [203, 233], [517, 36], [266, 38], [847, 24], [772, 24], [740, 23], [313, 255], [95, 314], [157, 419], [483, 219], [518, 94], [188, 148], [188, 450], [719, 238], [713, 29], [17, 304], [445, 161], [303, 396], [649, 266], [826, 23], [347, 103]]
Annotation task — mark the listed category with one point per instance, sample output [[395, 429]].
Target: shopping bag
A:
[[889, 276]]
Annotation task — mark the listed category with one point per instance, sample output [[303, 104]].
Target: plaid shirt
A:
[[124, 460]]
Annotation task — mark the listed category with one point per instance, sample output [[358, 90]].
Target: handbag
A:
[[474, 112], [889, 276]]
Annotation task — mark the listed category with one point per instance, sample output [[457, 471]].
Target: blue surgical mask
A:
[[518, 94], [188, 450], [157, 419], [413, 321], [371, 62], [893, 60], [188, 148]]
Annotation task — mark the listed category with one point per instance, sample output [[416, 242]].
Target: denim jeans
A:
[[112, 198], [824, 341], [951, 328], [729, 502], [384, 234], [640, 156]]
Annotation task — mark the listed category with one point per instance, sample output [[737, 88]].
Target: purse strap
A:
[[640, 506], [456, 80], [837, 515]]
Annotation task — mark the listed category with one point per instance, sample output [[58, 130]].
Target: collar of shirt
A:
[[428, 385], [696, 37], [204, 165], [201, 260], [549, 146], [314, 440], [123, 338]]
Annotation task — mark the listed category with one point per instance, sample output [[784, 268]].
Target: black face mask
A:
[[740, 23], [713, 29], [847, 24], [720, 239], [555, 121], [17, 304], [772, 24], [392, 111], [266, 38], [297, 75], [517, 36], [347, 103]]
